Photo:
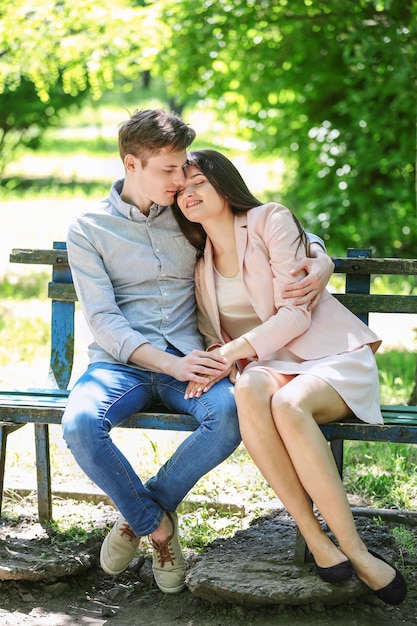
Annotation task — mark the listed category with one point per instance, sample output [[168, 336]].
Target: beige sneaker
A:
[[118, 548], [168, 563]]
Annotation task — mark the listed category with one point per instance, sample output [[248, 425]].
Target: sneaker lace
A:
[[126, 531], [164, 551]]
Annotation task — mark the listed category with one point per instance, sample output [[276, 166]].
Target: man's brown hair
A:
[[148, 131]]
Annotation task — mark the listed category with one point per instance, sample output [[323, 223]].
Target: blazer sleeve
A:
[[273, 248]]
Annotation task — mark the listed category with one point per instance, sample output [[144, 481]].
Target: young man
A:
[[134, 275]]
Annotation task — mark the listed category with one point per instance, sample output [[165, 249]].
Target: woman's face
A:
[[199, 201]]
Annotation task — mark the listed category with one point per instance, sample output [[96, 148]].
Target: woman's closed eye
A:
[[191, 186]]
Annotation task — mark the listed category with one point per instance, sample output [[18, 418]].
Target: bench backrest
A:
[[358, 267]]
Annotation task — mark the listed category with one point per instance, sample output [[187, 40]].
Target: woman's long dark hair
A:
[[229, 184]]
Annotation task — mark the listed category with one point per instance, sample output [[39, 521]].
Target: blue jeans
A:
[[105, 396]]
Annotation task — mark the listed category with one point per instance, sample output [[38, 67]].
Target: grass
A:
[[396, 375], [383, 473]]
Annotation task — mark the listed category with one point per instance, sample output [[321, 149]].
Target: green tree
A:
[[54, 53], [328, 85], [24, 117]]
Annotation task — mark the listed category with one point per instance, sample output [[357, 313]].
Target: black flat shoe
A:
[[396, 591], [336, 573]]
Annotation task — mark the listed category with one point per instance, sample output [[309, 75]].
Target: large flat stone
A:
[[255, 568], [36, 557]]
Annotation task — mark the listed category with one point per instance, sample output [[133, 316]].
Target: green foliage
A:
[[17, 339], [84, 45], [24, 117], [396, 375], [206, 524], [28, 286], [328, 85], [384, 473], [70, 529], [57, 53], [406, 540], [53, 188]]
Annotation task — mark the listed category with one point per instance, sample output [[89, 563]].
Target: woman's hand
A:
[[196, 389]]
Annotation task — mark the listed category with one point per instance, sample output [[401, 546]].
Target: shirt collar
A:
[[130, 211]]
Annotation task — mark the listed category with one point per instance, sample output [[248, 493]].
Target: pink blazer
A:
[[266, 239]]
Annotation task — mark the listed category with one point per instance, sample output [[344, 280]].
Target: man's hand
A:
[[198, 366], [311, 277]]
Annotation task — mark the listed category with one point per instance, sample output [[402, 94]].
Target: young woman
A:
[[299, 368]]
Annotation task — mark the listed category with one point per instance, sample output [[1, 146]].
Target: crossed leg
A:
[[279, 417]]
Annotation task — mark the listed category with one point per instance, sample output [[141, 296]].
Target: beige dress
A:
[[354, 375]]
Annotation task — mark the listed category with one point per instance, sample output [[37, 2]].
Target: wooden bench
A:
[[45, 406]]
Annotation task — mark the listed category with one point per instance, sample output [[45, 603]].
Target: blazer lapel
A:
[[209, 291], [241, 235]]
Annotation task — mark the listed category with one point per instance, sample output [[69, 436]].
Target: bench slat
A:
[[356, 265], [47, 407], [400, 422], [39, 257], [358, 303], [371, 303], [368, 265], [394, 433], [62, 291]]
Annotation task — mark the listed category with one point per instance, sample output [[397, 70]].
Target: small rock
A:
[[107, 611], [56, 589], [121, 592], [27, 597]]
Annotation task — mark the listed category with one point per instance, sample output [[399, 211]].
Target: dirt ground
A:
[[75, 591]]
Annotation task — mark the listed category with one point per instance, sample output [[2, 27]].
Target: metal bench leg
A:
[[43, 469], [336, 447], [300, 549], [5, 430]]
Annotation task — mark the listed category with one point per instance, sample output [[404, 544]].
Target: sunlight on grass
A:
[[386, 473], [396, 375]]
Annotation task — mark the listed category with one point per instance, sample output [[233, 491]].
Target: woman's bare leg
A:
[[278, 419], [264, 444]]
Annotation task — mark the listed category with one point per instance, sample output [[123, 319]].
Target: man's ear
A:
[[131, 162]]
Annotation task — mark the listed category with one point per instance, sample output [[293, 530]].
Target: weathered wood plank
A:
[[62, 291], [378, 303], [39, 257], [363, 265], [356, 265]]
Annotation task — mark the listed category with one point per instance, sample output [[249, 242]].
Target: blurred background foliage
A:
[[328, 87]]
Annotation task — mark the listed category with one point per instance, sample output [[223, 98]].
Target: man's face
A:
[[161, 177]]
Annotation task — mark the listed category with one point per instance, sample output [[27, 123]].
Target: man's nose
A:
[[179, 178]]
